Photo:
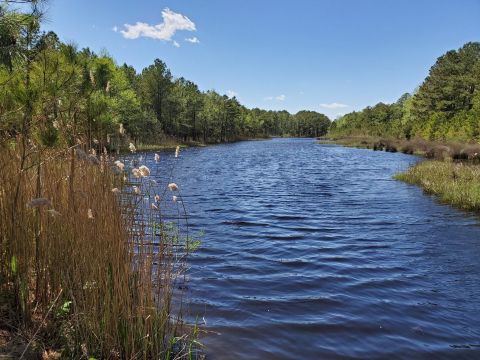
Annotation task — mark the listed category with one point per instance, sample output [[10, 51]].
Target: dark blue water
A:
[[314, 251]]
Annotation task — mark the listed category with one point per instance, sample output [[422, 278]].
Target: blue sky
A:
[[331, 56]]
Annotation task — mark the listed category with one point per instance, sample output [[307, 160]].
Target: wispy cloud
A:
[[193, 40], [115, 28], [333, 105], [231, 93], [176, 44], [277, 98], [172, 22]]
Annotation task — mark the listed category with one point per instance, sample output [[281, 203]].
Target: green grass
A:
[[457, 184]]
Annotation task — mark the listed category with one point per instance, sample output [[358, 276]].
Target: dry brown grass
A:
[[102, 281], [429, 149]]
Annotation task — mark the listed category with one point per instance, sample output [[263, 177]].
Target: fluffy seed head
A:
[[177, 151], [90, 214], [136, 172], [120, 165], [144, 171], [132, 147], [173, 187], [157, 157]]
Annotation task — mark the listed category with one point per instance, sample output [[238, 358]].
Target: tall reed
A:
[[100, 267]]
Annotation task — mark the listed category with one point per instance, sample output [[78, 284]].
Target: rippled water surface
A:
[[314, 251]]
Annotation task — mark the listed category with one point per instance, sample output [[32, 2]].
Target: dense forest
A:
[[59, 93], [446, 107]]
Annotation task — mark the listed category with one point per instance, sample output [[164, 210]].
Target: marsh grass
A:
[[429, 149], [92, 270], [455, 183]]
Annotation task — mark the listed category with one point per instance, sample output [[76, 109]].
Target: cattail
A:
[[105, 151], [136, 190], [136, 172], [90, 214], [157, 198], [95, 141], [108, 138], [107, 88], [53, 212], [173, 187], [177, 151], [120, 165], [157, 157], [121, 129], [174, 198], [144, 171], [93, 152], [132, 148], [56, 124], [39, 202], [116, 191], [154, 207]]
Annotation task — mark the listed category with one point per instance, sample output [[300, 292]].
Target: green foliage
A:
[[87, 96], [445, 107]]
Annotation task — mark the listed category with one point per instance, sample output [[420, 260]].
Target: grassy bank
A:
[[455, 183], [75, 280], [429, 149]]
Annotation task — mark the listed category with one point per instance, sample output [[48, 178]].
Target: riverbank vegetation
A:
[[88, 266], [82, 273], [457, 184], [440, 120]]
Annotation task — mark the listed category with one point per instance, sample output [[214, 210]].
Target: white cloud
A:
[[176, 44], [172, 22], [333, 106], [193, 40], [277, 98], [231, 93], [115, 28]]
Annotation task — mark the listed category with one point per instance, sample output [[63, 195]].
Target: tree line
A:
[[53, 92], [446, 107]]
